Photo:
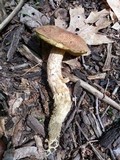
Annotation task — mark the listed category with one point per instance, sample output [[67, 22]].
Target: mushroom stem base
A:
[[61, 95]]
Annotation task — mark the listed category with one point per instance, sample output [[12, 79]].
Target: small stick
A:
[[97, 114], [107, 65], [97, 76], [115, 90], [113, 94], [95, 92], [12, 14], [20, 66]]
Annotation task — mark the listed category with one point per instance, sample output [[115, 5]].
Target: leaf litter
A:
[[24, 82], [84, 27]]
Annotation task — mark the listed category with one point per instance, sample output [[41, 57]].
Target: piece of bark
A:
[[17, 132], [20, 153], [35, 125], [110, 135], [14, 44], [40, 146]]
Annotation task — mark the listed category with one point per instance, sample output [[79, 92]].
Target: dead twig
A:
[[95, 92], [12, 14], [98, 115], [113, 95], [97, 76], [107, 65]]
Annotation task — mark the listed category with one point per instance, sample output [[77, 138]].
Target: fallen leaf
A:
[[80, 26], [116, 26], [115, 6], [95, 16]]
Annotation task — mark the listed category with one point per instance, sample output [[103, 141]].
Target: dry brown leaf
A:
[[80, 26], [115, 6], [95, 16]]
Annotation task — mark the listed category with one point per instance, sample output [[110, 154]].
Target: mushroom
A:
[[63, 41]]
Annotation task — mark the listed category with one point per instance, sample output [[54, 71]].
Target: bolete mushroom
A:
[[63, 41]]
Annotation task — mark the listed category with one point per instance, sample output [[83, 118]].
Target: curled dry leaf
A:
[[115, 6], [95, 16], [83, 28]]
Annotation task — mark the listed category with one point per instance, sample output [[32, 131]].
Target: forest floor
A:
[[91, 130]]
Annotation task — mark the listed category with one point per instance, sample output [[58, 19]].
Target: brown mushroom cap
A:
[[63, 39]]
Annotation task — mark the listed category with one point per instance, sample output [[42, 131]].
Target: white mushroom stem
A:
[[61, 95]]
